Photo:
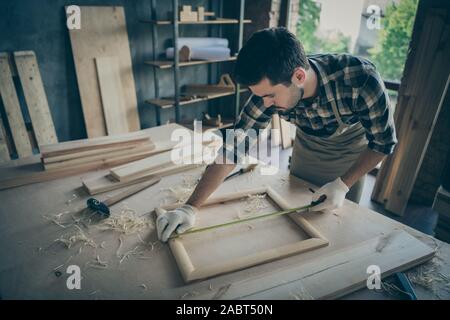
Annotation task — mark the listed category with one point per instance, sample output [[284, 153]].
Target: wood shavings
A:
[[254, 204], [189, 294], [182, 192], [69, 202], [210, 288], [127, 222], [143, 286], [127, 254], [97, 263], [102, 245], [56, 219], [79, 236], [429, 276], [62, 265], [391, 288]]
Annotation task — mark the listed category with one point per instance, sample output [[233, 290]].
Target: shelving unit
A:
[[174, 64]]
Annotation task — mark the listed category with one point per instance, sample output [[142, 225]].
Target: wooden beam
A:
[[36, 99]]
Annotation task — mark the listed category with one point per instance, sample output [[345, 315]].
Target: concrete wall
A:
[[40, 25]]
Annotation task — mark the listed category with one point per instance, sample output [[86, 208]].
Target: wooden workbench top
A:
[[29, 253]]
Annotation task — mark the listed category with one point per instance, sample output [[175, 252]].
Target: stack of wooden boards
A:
[[18, 140], [442, 206], [103, 150], [168, 162], [101, 52], [153, 146]]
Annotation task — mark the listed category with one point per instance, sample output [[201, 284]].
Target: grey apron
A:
[[321, 160]]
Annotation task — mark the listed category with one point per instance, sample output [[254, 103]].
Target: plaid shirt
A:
[[360, 95]]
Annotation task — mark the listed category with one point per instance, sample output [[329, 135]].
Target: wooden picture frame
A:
[[191, 270]]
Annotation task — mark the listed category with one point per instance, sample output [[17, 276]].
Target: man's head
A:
[[273, 64]]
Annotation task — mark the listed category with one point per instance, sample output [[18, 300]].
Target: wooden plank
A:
[[33, 89], [158, 161], [32, 171], [276, 134], [75, 146], [108, 183], [193, 266], [103, 157], [415, 115], [286, 134], [103, 33], [12, 109], [334, 275], [89, 153], [4, 152], [112, 95], [42, 175]]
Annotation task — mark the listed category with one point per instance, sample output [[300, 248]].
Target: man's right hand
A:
[[180, 219]]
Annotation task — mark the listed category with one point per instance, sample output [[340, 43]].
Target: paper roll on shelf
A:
[[204, 53]]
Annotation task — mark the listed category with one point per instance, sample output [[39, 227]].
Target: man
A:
[[342, 114]]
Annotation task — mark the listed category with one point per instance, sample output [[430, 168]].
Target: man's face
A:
[[281, 96]]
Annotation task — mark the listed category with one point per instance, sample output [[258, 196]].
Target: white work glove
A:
[[335, 192], [180, 219]]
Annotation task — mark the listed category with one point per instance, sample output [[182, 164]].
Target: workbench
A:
[[29, 254]]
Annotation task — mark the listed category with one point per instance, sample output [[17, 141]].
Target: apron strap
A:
[[336, 113]]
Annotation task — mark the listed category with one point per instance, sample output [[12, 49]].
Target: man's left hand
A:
[[335, 192]]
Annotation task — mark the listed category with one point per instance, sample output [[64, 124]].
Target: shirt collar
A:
[[325, 92]]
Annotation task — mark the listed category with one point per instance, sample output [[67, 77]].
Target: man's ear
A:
[[299, 77]]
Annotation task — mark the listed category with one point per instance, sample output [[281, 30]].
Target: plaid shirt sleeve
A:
[[373, 108], [253, 118]]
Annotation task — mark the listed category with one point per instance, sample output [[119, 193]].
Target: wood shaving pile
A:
[[127, 222], [254, 204], [79, 236], [182, 192], [429, 276]]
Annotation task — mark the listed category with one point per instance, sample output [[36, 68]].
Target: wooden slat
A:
[[416, 114], [4, 152], [102, 157], [155, 162], [41, 175], [108, 183], [12, 108], [112, 95], [36, 99], [286, 134], [75, 146], [103, 33], [89, 153]]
